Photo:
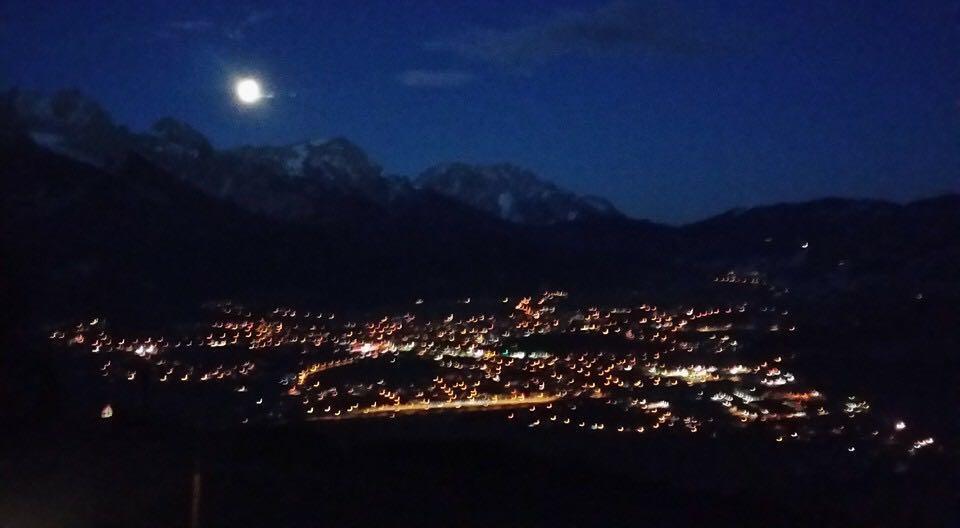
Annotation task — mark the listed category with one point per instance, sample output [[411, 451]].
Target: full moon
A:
[[248, 91]]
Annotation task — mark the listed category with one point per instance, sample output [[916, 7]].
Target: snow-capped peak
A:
[[511, 193]]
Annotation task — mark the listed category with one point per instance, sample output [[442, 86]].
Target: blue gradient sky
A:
[[673, 110]]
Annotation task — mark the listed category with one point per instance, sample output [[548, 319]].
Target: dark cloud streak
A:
[[618, 28]]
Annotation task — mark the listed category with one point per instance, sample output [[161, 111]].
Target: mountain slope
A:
[[511, 193], [79, 239]]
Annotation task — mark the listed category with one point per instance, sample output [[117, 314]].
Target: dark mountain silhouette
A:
[[83, 238]]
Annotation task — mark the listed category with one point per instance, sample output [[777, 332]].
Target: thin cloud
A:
[[617, 28], [190, 26], [435, 78], [235, 30], [253, 18]]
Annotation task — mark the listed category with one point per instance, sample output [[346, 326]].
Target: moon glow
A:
[[248, 91]]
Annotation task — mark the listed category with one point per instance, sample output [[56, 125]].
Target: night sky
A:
[[672, 110]]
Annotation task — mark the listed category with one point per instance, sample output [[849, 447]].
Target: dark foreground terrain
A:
[[450, 471]]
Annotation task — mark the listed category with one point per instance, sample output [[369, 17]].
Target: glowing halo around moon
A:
[[248, 91]]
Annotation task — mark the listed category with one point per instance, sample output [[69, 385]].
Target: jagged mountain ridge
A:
[[511, 193], [318, 180]]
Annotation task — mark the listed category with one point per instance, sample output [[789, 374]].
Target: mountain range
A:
[[99, 217], [310, 181]]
